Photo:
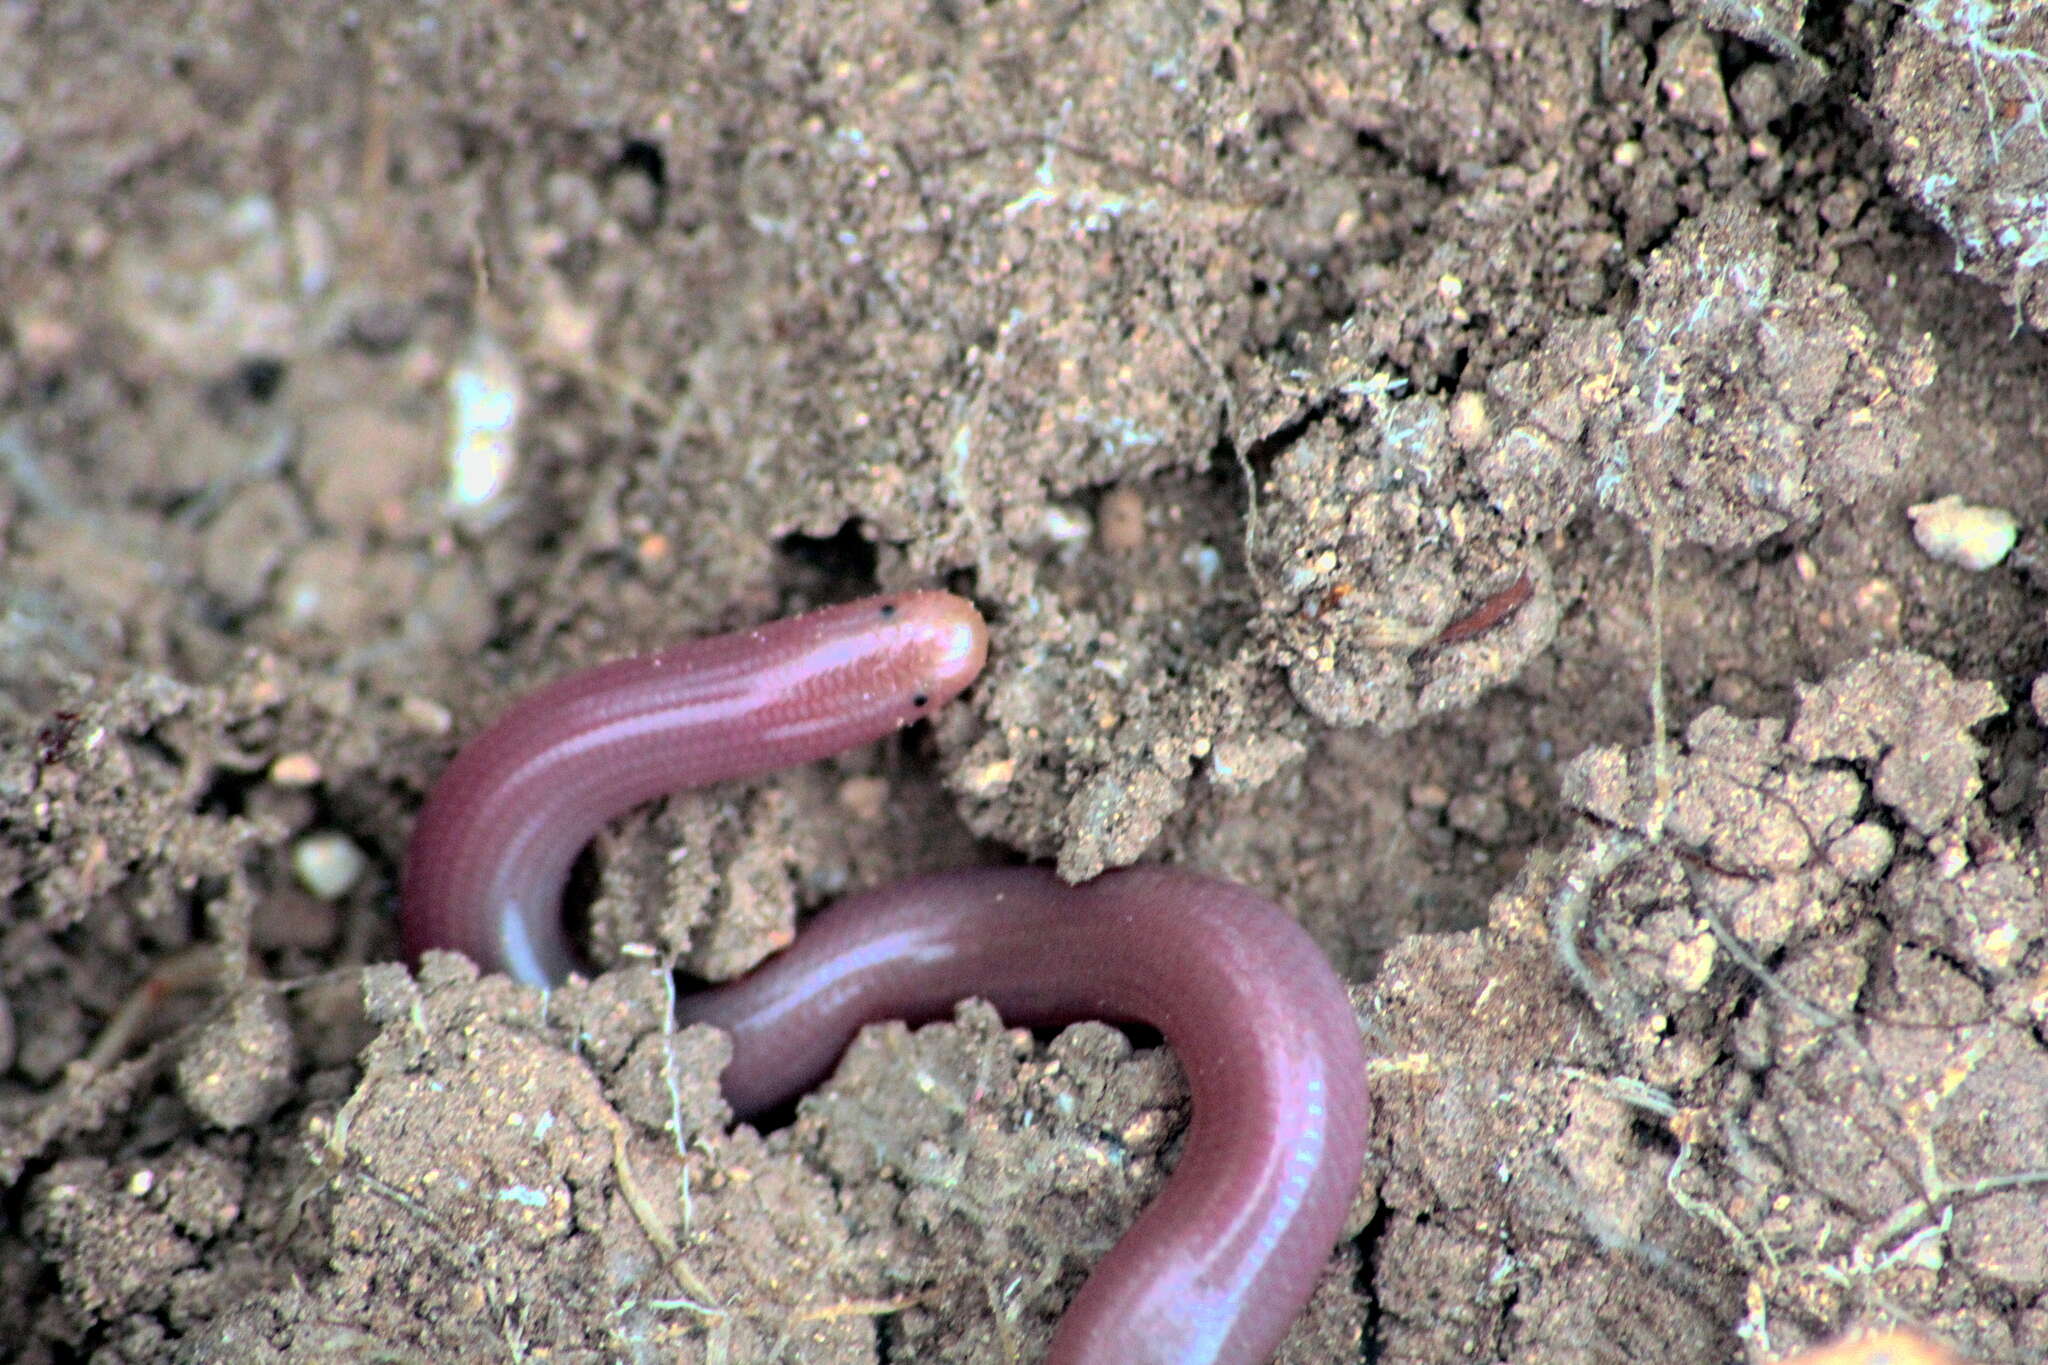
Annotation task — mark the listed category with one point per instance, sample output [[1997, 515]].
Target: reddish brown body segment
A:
[[492, 849]]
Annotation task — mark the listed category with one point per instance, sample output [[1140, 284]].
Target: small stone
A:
[[296, 770], [1066, 530], [653, 550], [1962, 533], [328, 864], [1996, 947], [1689, 963], [1145, 1130], [989, 777], [485, 397], [425, 715], [1471, 425]]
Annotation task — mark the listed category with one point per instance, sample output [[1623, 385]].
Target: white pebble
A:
[[1958, 532], [1068, 530], [328, 864], [484, 398]]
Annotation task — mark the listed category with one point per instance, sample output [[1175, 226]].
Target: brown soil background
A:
[[1226, 353]]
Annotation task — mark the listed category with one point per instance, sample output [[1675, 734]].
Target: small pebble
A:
[[295, 770], [1067, 530], [484, 397], [990, 777], [1689, 964], [426, 715], [328, 864], [1962, 533], [1145, 1130], [1471, 424], [652, 550]]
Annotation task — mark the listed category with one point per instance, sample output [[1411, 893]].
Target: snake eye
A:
[[920, 700]]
